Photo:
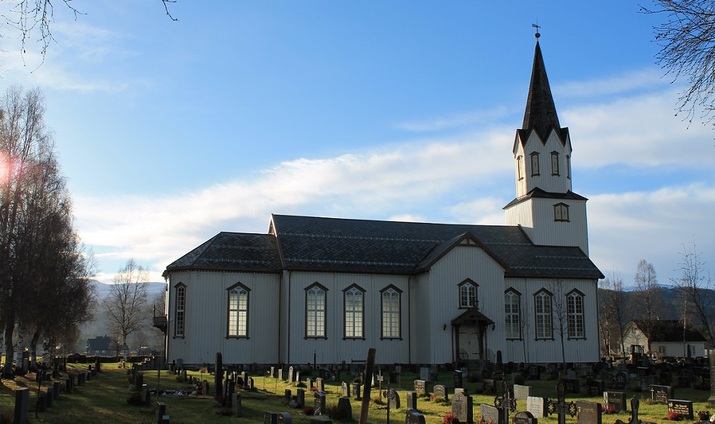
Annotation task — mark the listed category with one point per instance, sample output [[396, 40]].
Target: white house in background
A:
[[667, 338], [325, 290]]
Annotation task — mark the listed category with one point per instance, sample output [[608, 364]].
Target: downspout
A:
[[288, 326], [409, 319]]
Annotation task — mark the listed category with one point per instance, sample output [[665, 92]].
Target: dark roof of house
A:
[[540, 114], [101, 343], [667, 330], [387, 247]]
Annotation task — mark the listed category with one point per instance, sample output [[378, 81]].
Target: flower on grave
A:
[[450, 418], [609, 409], [308, 410], [673, 416]]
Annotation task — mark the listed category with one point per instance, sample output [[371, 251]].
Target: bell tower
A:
[[545, 207]]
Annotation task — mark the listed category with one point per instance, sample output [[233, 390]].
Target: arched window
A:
[[568, 166], [354, 300], [468, 294], [574, 308], [542, 310], [390, 308], [238, 311], [315, 313], [180, 310], [512, 314]]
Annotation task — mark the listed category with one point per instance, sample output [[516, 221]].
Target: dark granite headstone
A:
[[285, 418], [319, 403], [615, 402], [489, 387], [684, 408], [534, 373], [300, 398], [462, 407], [571, 385], [270, 417], [287, 395], [457, 379], [595, 387], [414, 417], [357, 392], [661, 394], [620, 380], [524, 417], [236, 404], [588, 412], [345, 409], [22, 405]]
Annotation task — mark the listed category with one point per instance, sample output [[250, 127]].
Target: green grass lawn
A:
[[104, 400]]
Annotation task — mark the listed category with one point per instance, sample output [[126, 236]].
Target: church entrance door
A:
[[469, 336]]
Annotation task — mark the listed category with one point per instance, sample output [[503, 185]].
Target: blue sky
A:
[[170, 132]]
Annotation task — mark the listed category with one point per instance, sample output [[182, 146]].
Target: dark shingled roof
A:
[[389, 247], [232, 252], [538, 193], [670, 330], [540, 114]]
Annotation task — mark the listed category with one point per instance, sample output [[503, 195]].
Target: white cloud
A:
[[455, 120], [643, 79]]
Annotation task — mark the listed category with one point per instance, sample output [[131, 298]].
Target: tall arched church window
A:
[[534, 164], [554, 163]]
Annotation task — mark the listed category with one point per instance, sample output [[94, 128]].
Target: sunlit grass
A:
[[104, 400]]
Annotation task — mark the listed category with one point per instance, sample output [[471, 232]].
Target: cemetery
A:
[[517, 394]]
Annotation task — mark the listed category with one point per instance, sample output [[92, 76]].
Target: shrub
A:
[[308, 410], [450, 418]]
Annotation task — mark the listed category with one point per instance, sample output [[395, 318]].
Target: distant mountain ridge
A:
[[103, 289]]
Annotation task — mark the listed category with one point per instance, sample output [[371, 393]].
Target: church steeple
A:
[[544, 206], [540, 114]]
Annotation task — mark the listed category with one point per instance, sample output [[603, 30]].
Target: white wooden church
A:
[[325, 290]]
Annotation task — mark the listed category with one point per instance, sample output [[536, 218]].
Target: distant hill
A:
[[103, 289], [672, 303]]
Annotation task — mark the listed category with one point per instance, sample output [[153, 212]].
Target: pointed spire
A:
[[540, 113]]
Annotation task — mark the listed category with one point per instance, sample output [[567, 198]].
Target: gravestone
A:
[[439, 391], [661, 394], [270, 417], [272, 372], [356, 391], [684, 408], [489, 387], [571, 385], [411, 400], [645, 382], [490, 414], [236, 404], [414, 417], [287, 395], [588, 412], [424, 373], [69, 385], [290, 374], [462, 406], [393, 399], [280, 373], [595, 387], [56, 389], [345, 409], [345, 389], [665, 378], [22, 405], [533, 373], [620, 380], [300, 398], [685, 378], [505, 403], [521, 392], [457, 379], [420, 387], [319, 403], [615, 402], [537, 406], [297, 376], [320, 384], [524, 417], [285, 418]]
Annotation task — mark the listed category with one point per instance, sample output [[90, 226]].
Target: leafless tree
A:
[[695, 288], [614, 312], [649, 297], [36, 233], [560, 314], [687, 51], [126, 304], [33, 19]]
